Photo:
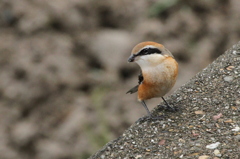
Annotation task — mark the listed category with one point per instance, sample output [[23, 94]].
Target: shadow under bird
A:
[[159, 72]]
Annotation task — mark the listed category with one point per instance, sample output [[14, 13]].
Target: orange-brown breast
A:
[[148, 91], [157, 82]]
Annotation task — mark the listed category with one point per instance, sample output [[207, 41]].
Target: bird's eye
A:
[[148, 51], [145, 51], [154, 51]]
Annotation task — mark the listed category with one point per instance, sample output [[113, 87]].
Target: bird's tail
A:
[[133, 90]]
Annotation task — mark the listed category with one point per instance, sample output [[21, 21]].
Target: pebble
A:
[[228, 78], [213, 146], [199, 112], [236, 52], [217, 153], [229, 68], [237, 137], [162, 142], [138, 156], [237, 128], [216, 117], [203, 157], [228, 121]]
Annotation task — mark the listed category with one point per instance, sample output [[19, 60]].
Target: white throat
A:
[[150, 61]]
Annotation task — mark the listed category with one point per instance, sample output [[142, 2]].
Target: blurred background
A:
[[64, 70]]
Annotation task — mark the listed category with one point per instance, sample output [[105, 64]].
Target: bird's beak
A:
[[131, 58]]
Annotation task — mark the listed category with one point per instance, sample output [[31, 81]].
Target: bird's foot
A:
[[167, 108], [157, 117], [142, 119], [150, 118]]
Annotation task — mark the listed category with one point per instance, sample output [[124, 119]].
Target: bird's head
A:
[[147, 54]]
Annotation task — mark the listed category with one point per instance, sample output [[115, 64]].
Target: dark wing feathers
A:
[[140, 78], [135, 89]]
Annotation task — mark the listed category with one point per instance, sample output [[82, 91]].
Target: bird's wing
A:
[[135, 89], [140, 78]]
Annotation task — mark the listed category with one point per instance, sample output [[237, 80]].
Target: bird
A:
[[159, 71]]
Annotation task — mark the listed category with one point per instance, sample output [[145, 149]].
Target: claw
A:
[[157, 117], [150, 118], [166, 108]]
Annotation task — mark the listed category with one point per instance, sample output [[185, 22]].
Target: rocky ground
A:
[[64, 70]]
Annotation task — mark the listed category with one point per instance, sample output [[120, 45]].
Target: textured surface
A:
[[207, 123]]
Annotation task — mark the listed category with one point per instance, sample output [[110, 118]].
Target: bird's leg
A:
[[145, 106], [149, 114], [168, 106]]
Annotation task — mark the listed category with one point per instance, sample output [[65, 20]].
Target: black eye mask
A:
[[145, 51], [148, 51]]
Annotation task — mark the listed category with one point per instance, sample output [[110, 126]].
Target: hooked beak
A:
[[131, 58]]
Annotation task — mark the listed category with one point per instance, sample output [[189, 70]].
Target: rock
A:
[[204, 157], [217, 153], [213, 146], [237, 128], [23, 133], [228, 78]]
